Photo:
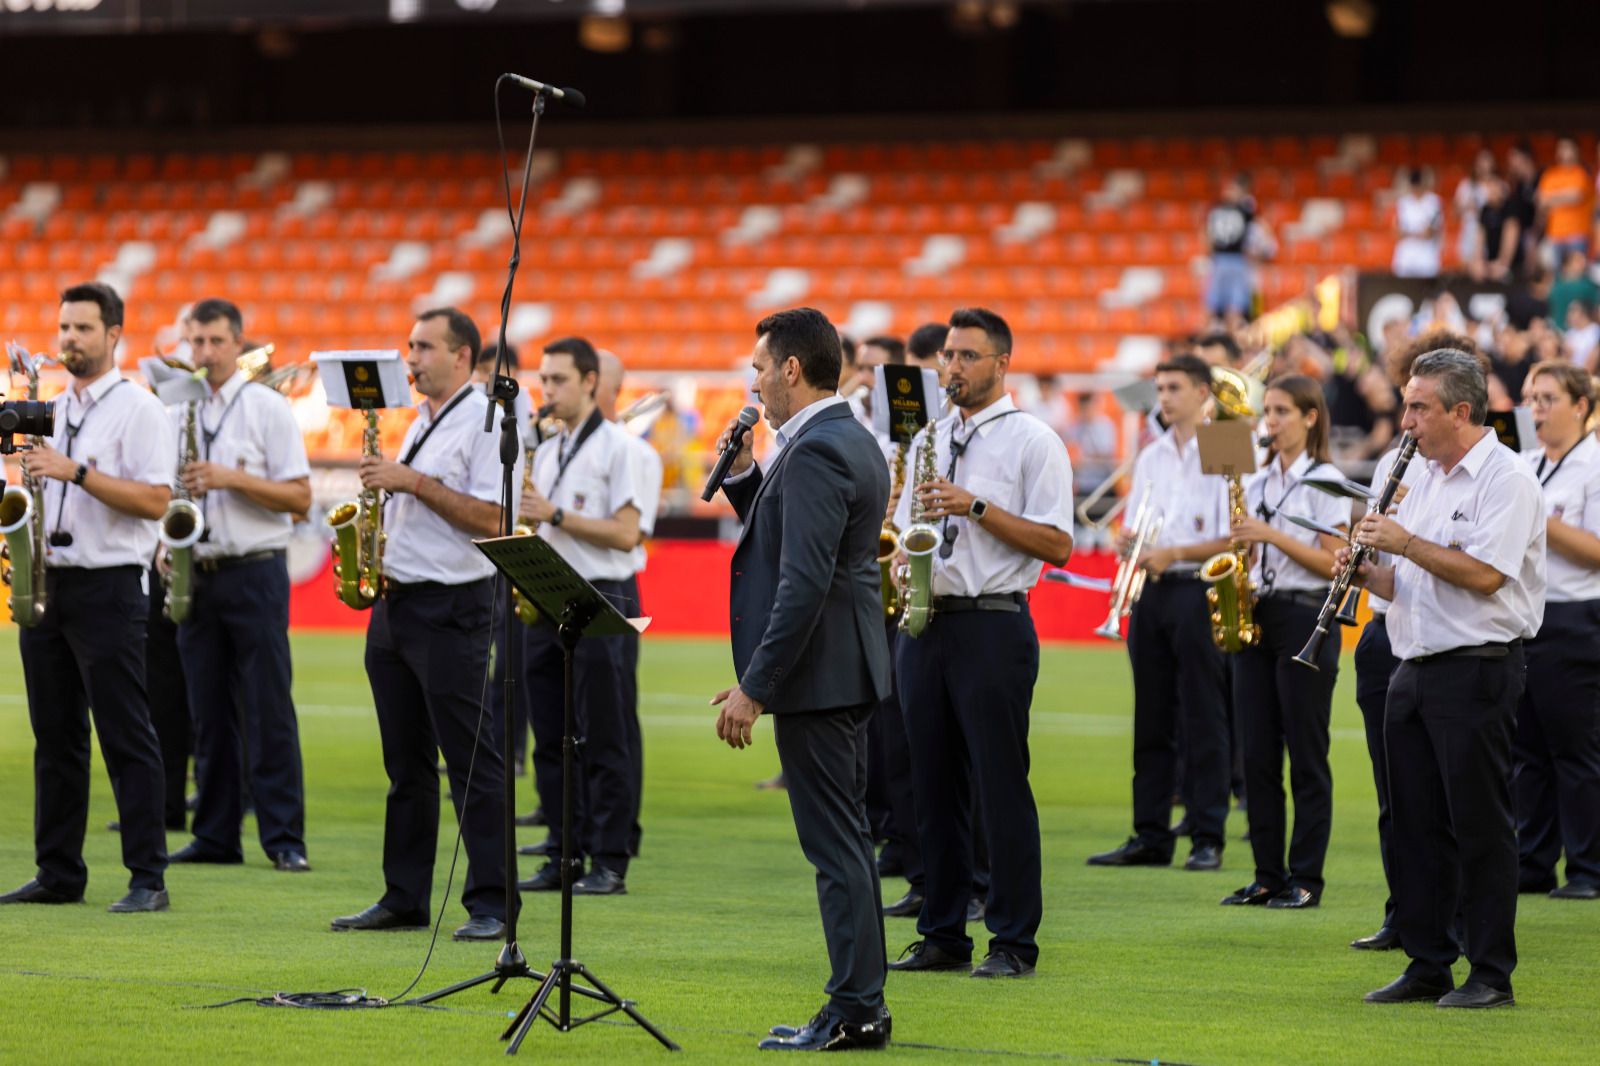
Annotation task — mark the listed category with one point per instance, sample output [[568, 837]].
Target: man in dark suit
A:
[[809, 648]]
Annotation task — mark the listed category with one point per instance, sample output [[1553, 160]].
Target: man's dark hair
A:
[[100, 294], [993, 326], [847, 349], [1198, 369], [893, 345], [927, 339], [213, 309], [805, 334], [1220, 339], [491, 353], [584, 358], [460, 328]]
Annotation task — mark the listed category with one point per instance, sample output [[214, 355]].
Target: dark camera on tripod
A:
[[31, 418]]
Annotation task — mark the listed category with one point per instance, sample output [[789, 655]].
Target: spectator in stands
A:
[[1230, 290], [1522, 199], [1530, 301], [1499, 256], [1566, 203], [1419, 224], [1510, 358], [1091, 443], [1583, 333], [1471, 194], [1572, 283]]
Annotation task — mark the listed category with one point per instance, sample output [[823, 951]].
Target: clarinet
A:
[[1343, 595]]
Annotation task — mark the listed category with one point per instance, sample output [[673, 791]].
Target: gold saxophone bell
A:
[[1232, 598], [358, 537]]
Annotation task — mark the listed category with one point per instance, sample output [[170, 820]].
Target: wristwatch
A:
[[83, 472], [978, 509], [559, 517]]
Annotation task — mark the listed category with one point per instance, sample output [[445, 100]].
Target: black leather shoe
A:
[[548, 879], [113, 826], [1002, 964], [378, 917], [1295, 897], [1182, 827], [1385, 939], [1576, 890], [787, 1031], [1134, 853], [1536, 888], [1477, 995], [1204, 857], [533, 817], [481, 927], [192, 852], [549, 847], [827, 1032], [291, 862], [977, 907], [140, 901], [1408, 989], [34, 892], [772, 783], [907, 906], [600, 882], [1254, 894], [922, 955]]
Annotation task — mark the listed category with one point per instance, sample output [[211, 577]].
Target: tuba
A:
[[889, 538], [919, 542], [181, 529], [1128, 584], [22, 522], [358, 536], [1231, 595]]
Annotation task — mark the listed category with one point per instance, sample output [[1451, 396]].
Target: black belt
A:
[[392, 587], [1497, 650], [1301, 596], [1011, 602], [136, 568], [1170, 574], [228, 562]]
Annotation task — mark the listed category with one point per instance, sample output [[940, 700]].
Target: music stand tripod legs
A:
[[564, 969]]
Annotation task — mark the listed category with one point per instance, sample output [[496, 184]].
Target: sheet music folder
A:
[[550, 584]]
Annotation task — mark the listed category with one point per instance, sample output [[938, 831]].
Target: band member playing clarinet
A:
[[1557, 749], [1281, 705], [1467, 588]]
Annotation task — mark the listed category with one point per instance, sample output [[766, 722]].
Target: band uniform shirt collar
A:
[[230, 389], [1297, 469], [1475, 458], [979, 423], [797, 421], [423, 414], [97, 388]]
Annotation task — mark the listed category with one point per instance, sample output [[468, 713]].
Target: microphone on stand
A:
[[747, 418], [569, 94]]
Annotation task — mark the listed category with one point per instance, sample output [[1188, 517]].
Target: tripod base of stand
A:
[[509, 966], [561, 977]]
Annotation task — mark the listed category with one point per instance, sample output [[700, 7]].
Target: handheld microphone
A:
[[747, 418], [569, 94]]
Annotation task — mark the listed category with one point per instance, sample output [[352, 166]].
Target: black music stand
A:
[[541, 575]]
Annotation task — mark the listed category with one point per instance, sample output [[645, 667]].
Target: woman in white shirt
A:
[[1556, 767], [1419, 223], [1279, 703]]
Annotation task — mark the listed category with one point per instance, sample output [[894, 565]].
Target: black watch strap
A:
[[83, 472], [559, 517]]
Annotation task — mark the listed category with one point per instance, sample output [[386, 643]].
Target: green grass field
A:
[[719, 936]]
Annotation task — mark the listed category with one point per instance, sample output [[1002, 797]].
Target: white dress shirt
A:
[[1380, 478], [1272, 495], [647, 475], [122, 432], [1016, 463], [250, 428], [422, 546], [1193, 505], [1488, 506], [600, 480], [1571, 485]]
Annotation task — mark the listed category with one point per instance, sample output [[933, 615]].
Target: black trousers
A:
[[966, 688], [604, 803], [1448, 727], [169, 705], [235, 650], [824, 760], [1375, 664], [891, 801], [1285, 706], [630, 706], [1557, 748], [88, 655], [427, 653], [1178, 676]]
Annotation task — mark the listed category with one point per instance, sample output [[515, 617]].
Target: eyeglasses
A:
[[964, 356], [1548, 399]]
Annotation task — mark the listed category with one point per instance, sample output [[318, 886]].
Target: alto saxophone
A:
[[920, 540], [22, 524], [358, 535], [1231, 595], [181, 528], [527, 613], [889, 537]]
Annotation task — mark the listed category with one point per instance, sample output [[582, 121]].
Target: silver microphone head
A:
[[749, 416]]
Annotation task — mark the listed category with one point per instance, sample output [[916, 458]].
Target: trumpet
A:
[[1128, 584], [644, 405], [1343, 594], [1099, 492]]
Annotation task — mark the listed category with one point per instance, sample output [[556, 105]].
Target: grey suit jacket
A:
[[806, 610]]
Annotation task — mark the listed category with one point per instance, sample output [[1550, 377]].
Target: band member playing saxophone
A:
[[1179, 675]]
